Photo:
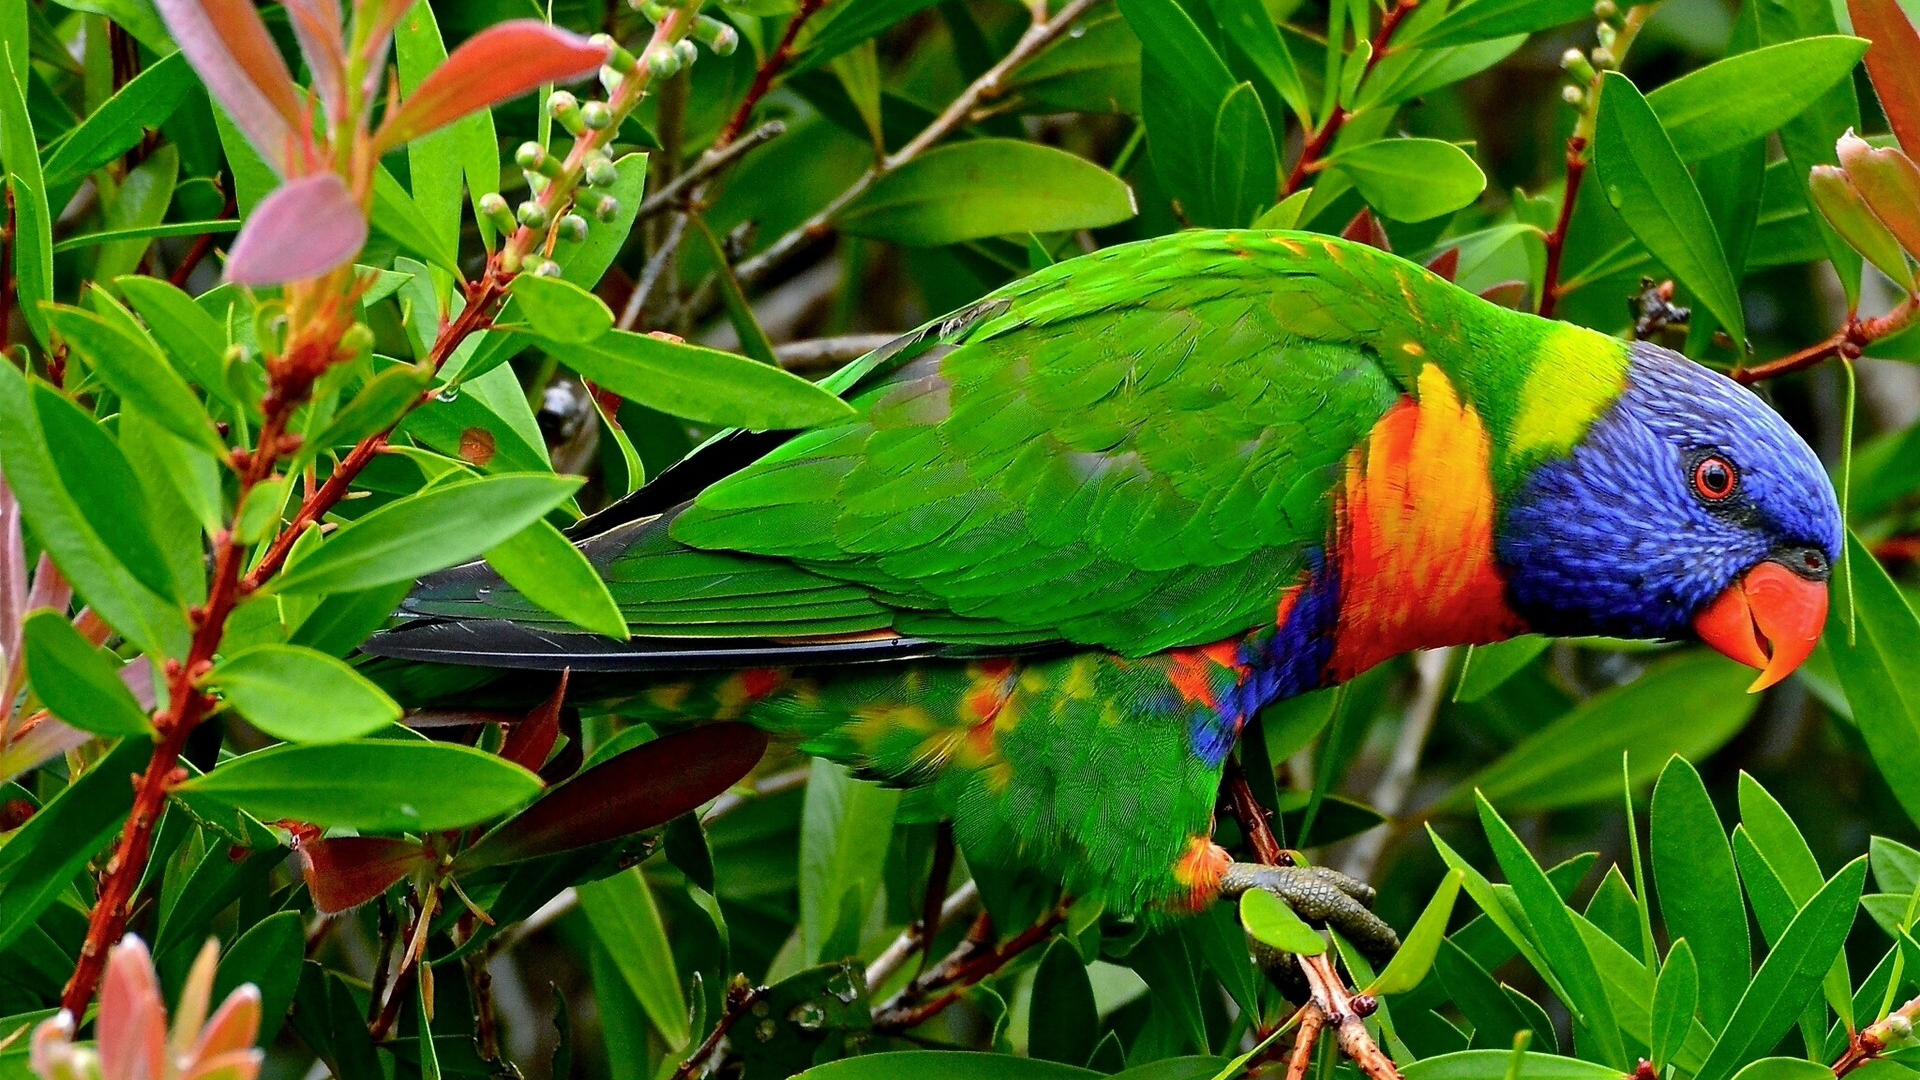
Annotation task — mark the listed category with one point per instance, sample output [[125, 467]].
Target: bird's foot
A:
[[1319, 895]]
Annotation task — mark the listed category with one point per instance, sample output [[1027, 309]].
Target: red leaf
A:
[[231, 49], [1893, 63], [1446, 264], [500, 62], [347, 871], [1506, 293], [530, 741], [316, 26], [630, 792], [1366, 229]]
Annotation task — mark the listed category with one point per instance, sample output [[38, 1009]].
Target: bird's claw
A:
[[1319, 895]]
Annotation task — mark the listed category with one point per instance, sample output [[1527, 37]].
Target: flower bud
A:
[[610, 79], [497, 211], [1576, 64], [1603, 57], [596, 115], [534, 158], [1605, 9], [652, 10], [663, 63], [601, 172], [547, 268], [716, 35], [572, 228], [1573, 95], [533, 215], [600, 204], [356, 342], [1606, 33], [618, 58], [1899, 1027], [687, 52], [565, 110]]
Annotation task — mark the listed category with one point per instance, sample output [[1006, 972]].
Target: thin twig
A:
[[769, 69], [710, 163], [825, 354], [989, 85], [740, 998], [1849, 341], [655, 269], [969, 963], [1318, 143], [1312, 1021], [963, 900]]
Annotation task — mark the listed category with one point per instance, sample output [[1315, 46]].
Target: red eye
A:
[[1714, 478]]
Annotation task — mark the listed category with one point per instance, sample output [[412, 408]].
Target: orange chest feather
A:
[[1414, 534]]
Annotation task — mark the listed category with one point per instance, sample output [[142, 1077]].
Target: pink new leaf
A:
[[500, 62], [316, 26], [229, 46], [306, 227], [132, 1025]]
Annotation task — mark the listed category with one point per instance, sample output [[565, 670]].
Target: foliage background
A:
[[909, 157]]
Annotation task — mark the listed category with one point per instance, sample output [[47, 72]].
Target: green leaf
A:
[[1245, 163], [987, 187], [1644, 180], [1273, 923], [435, 161], [702, 384], [1873, 671], [268, 955], [1781, 1068], [98, 476], [374, 785], [381, 402], [1412, 179], [1674, 997], [560, 310], [1699, 891], [32, 221], [1487, 1064], [626, 921], [1571, 760], [139, 374], [1481, 20], [194, 340], [1063, 1020], [1734, 101], [546, 568], [119, 123], [945, 1065], [1249, 28], [1559, 938], [1409, 966], [1489, 666], [1779, 842], [438, 527], [1789, 974], [396, 215], [300, 695], [144, 617], [41, 858], [138, 204], [79, 682], [147, 232], [845, 826], [852, 23]]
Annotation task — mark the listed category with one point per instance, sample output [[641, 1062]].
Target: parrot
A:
[[1072, 537]]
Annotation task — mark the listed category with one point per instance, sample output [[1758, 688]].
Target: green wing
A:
[[1133, 450]]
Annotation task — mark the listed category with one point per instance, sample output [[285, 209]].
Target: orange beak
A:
[[1769, 619]]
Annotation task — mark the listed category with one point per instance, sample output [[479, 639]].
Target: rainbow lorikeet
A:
[[1078, 533]]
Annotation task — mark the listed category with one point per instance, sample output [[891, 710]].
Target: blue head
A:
[[1690, 508]]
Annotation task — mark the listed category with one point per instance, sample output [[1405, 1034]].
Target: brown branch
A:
[[1556, 240], [961, 111], [1312, 1021], [763, 76], [202, 244], [975, 959], [740, 998], [1337, 1007], [1318, 142], [1849, 341], [711, 162]]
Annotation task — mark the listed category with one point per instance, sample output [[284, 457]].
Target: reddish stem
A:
[[1848, 341], [1320, 140], [1557, 239], [768, 70], [202, 244]]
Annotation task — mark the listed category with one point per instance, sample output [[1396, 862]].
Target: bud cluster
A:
[[1585, 67], [566, 190]]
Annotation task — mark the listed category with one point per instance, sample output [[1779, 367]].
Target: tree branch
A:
[[1849, 341], [956, 115]]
